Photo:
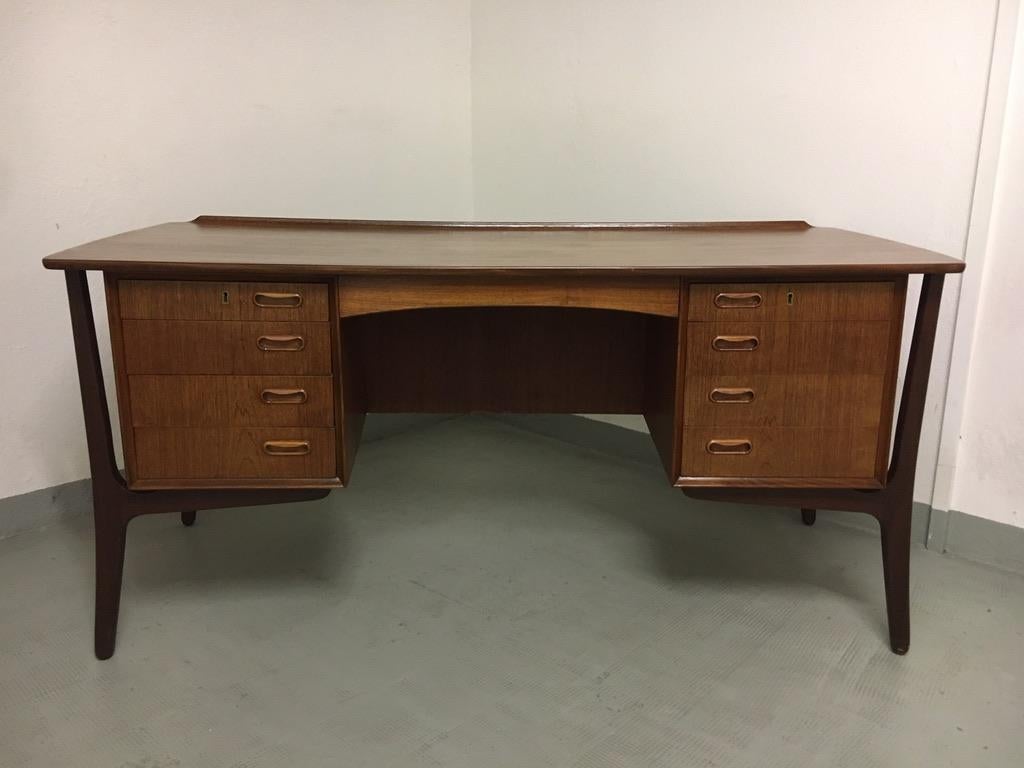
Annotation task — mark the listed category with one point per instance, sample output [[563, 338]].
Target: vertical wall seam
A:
[[471, 99], [979, 217]]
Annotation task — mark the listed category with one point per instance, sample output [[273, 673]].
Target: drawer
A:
[[800, 400], [791, 301], [739, 348], [188, 346], [781, 452], [206, 300], [234, 453], [235, 401]]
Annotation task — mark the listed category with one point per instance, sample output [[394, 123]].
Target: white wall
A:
[[989, 475], [117, 115], [863, 115]]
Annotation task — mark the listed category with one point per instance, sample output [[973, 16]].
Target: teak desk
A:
[[763, 356]]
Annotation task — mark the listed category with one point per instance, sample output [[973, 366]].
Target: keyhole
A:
[[789, 298], [224, 297]]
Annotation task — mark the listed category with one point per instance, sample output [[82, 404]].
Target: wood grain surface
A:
[[294, 249], [230, 401], [189, 346], [785, 452], [178, 300], [515, 360], [845, 347], [664, 359], [794, 301], [366, 294], [234, 453], [804, 375], [794, 400], [218, 300]]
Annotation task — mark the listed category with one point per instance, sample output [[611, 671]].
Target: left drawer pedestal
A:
[[224, 384]]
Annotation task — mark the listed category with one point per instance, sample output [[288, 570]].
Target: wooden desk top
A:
[[317, 247]]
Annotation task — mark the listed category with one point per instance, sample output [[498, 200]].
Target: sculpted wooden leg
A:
[[113, 503], [808, 516], [891, 506], [896, 504]]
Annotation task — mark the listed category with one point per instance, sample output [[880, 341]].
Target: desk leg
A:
[[893, 505], [113, 504]]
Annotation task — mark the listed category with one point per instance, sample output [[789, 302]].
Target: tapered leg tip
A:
[[808, 516], [900, 650], [188, 519], [104, 653]]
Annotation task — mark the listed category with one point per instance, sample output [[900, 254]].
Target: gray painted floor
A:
[[483, 596]]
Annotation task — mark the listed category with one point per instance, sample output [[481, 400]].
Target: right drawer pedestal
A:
[[790, 384]]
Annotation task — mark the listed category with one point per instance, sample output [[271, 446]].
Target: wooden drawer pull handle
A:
[[738, 300], [268, 299], [286, 447], [731, 395], [283, 396], [735, 343], [281, 343], [730, 447]]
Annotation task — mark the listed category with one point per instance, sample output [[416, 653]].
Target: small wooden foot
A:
[[896, 570], [808, 516], [188, 518]]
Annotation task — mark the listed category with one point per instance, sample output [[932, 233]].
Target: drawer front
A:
[[735, 348], [781, 452], [239, 453], [791, 301], [800, 400], [190, 347], [205, 300], [231, 401]]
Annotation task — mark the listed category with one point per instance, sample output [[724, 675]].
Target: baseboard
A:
[[37, 509], [975, 538], [951, 532], [920, 522]]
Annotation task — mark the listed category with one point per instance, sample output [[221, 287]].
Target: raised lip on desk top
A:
[[329, 247], [534, 226]]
